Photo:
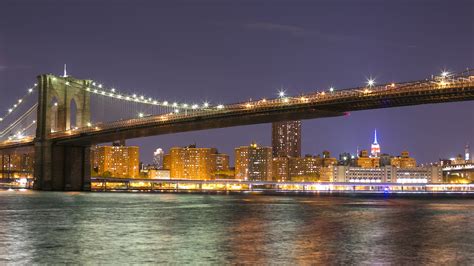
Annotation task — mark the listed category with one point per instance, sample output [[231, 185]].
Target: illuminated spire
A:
[[65, 71], [375, 137], [375, 147]]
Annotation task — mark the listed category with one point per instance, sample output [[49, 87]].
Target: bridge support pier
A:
[[62, 168]]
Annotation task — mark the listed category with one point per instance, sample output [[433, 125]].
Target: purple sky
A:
[[227, 51]]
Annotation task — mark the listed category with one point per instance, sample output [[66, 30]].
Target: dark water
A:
[[179, 228]]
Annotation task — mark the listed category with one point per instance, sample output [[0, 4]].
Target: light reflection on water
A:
[[183, 228]]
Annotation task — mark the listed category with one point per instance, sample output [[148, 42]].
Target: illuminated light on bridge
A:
[[331, 89], [444, 74], [370, 82], [162, 118]]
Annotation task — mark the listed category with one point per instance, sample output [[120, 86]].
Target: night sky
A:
[[227, 51]]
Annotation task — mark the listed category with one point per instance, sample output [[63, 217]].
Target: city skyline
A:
[[195, 58], [368, 146]]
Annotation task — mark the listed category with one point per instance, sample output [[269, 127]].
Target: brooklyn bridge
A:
[[57, 120]]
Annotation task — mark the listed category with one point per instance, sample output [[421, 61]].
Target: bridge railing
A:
[[359, 93]]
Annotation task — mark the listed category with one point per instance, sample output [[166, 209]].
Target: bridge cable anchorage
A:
[[18, 103]]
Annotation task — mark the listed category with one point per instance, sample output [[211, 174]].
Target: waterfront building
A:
[[281, 169], [307, 168], [158, 174], [253, 163], [286, 139], [365, 161], [192, 163], [403, 161], [117, 161], [375, 147], [16, 165], [158, 158], [388, 174]]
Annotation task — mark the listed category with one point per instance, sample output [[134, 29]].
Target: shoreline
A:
[[291, 193]]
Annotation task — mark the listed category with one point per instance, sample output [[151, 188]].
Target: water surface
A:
[[50, 227]]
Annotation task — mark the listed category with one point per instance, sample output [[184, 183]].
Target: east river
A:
[[123, 228]]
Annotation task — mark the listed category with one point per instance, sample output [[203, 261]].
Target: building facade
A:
[[388, 174], [403, 161], [117, 161], [192, 163], [286, 139], [253, 163], [158, 158], [364, 161]]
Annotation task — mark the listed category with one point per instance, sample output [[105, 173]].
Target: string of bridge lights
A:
[[19, 135], [18, 103], [15, 123], [99, 89]]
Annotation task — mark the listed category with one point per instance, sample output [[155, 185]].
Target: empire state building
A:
[[375, 147]]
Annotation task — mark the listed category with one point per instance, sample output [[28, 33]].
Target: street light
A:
[[370, 82]]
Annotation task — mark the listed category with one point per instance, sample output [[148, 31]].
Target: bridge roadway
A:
[[62, 159], [309, 106]]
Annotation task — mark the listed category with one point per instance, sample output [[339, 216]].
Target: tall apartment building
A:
[[117, 161], [253, 163], [193, 163], [286, 139]]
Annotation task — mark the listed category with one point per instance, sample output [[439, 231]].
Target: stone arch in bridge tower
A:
[[61, 167], [56, 95]]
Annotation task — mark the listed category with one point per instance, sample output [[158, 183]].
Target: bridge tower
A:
[[61, 167]]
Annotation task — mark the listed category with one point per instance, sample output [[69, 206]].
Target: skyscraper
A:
[[286, 139], [158, 158], [375, 147]]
